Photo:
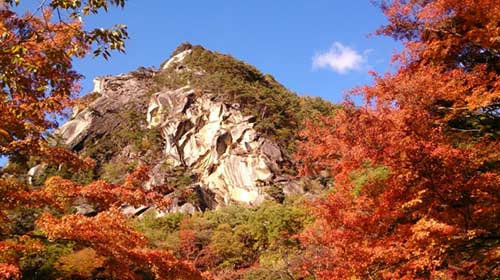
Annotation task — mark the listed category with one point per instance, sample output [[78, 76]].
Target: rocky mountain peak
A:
[[213, 128]]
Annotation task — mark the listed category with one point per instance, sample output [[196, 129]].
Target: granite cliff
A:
[[212, 128]]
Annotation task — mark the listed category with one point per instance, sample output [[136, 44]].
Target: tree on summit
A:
[[37, 83], [432, 127]]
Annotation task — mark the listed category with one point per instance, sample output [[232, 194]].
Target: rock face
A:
[[217, 142], [176, 59], [35, 171], [217, 148], [115, 93]]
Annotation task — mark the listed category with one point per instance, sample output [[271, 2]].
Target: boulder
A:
[[35, 172]]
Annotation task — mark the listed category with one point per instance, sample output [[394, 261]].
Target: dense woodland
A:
[[414, 183]]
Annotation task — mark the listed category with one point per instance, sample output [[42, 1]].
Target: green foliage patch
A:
[[233, 238], [368, 174]]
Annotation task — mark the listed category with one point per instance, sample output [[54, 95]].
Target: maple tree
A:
[[434, 126], [37, 84], [37, 78]]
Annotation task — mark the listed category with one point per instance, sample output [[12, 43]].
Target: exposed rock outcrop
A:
[[212, 139], [35, 172], [207, 148], [217, 142], [115, 94]]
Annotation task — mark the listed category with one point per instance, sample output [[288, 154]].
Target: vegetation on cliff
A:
[[279, 113]]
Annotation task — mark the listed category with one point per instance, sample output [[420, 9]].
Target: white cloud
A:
[[340, 58]]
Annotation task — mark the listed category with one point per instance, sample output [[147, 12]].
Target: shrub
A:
[[79, 264], [233, 237]]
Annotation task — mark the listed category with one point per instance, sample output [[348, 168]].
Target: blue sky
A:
[[318, 48], [278, 37]]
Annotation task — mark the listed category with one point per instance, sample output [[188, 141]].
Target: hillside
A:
[[213, 129]]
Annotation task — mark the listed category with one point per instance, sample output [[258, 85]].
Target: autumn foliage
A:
[[125, 250], [434, 126], [415, 169], [37, 85]]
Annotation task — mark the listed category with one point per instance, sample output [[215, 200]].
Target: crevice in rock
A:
[[183, 127], [222, 143], [189, 102]]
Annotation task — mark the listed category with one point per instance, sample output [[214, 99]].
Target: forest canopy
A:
[[433, 126]]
